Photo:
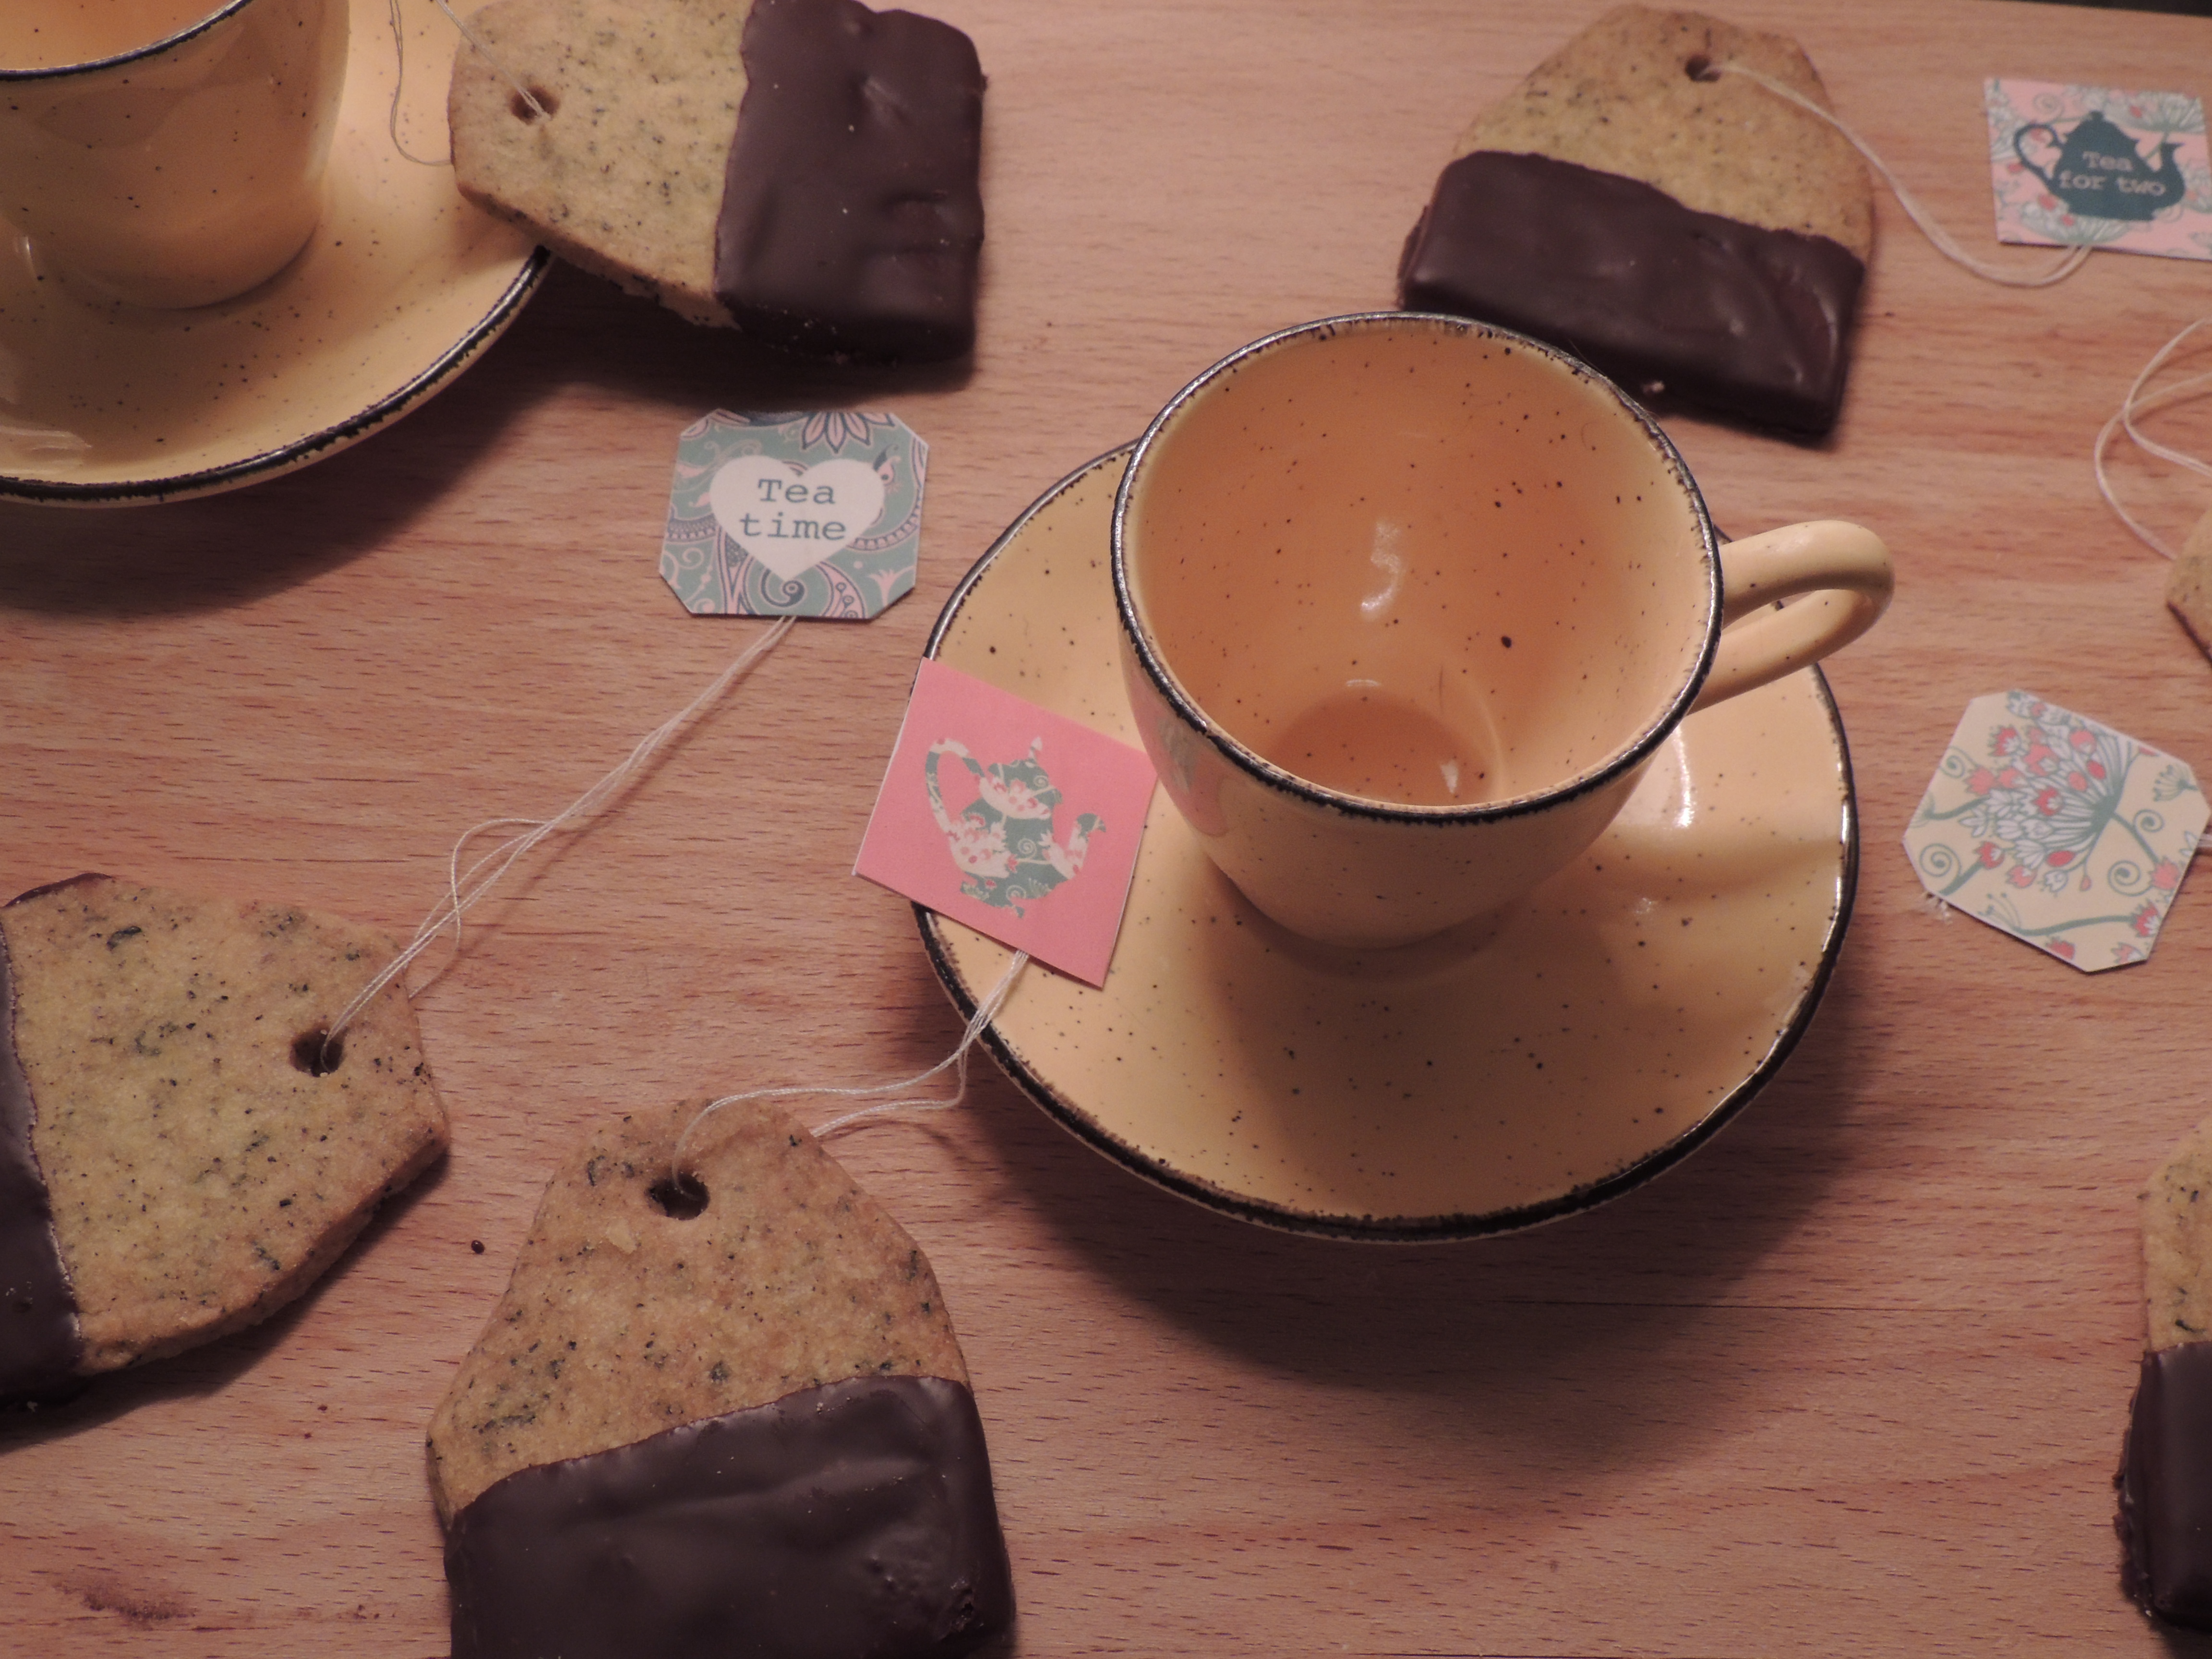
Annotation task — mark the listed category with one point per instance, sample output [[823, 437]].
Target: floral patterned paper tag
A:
[[794, 515], [2074, 165], [1020, 822], [2057, 830]]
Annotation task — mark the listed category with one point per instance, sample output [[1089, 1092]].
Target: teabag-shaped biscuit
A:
[[2164, 1478], [804, 170], [171, 1166], [740, 1429], [2188, 589], [1697, 237]]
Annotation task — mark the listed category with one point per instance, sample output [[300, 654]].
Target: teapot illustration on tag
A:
[[2100, 173], [1003, 840]]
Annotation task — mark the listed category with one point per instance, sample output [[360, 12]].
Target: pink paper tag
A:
[[1017, 822], [2074, 165]]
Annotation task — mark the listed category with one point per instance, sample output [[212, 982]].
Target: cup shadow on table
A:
[[221, 550], [207, 1370], [1581, 1346]]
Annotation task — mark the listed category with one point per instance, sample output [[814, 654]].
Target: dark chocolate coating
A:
[[852, 212], [1748, 321], [854, 1520], [40, 1347], [2165, 1484]]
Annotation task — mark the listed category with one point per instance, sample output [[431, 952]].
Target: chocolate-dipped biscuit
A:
[[176, 1163], [2165, 1477], [807, 171], [39, 1347], [722, 1416], [1686, 232], [851, 222]]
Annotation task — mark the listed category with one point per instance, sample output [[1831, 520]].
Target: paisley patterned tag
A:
[[2057, 830], [794, 515], [2088, 165], [1022, 824]]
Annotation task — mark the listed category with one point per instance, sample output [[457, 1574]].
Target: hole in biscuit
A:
[[1700, 68], [314, 1053], [680, 1197], [520, 105]]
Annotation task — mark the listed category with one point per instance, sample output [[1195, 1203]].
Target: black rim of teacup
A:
[[1626, 759]]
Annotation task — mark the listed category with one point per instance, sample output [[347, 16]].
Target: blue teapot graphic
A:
[[2099, 173]]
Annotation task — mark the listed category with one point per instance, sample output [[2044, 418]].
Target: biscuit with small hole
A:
[[1679, 225], [719, 1412], [181, 1154]]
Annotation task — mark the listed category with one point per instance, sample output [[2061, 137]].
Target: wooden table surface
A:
[[1852, 1379]]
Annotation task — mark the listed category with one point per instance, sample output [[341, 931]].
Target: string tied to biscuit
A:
[[2139, 402], [465, 888], [1944, 243], [987, 1010], [476, 44]]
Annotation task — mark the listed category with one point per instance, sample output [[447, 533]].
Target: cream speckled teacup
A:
[[1408, 603], [167, 152]]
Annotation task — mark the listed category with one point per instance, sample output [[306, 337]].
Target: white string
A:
[[399, 79], [986, 1012], [2135, 403], [2068, 262], [465, 888]]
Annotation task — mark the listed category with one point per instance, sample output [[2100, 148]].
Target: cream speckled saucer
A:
[[1599, 1031], [402, 286]]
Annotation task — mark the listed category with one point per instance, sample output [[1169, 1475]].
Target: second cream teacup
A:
[[1408, 603]]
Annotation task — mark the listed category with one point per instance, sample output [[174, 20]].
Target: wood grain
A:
[[1850, 1380]]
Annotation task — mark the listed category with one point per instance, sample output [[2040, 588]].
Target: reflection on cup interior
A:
[[54, 33], [1424, 566]]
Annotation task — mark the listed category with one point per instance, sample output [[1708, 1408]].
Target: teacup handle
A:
[[1844, 564]]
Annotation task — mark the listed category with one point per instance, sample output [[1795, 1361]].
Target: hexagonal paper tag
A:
[[794, 515], [2057, 830]]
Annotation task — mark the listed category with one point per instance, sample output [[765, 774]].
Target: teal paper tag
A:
[[794, 515]]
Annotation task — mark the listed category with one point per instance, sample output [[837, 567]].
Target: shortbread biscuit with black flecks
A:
[[2189, 588], [176, 1163], [1683, 229], [623, 175], [2164, 1478], [807, 171], [725, 1415]]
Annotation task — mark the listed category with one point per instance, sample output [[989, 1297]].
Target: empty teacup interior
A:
[[51, 33], [1419, 562]]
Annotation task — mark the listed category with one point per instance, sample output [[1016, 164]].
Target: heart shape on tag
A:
[[792, 519]]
